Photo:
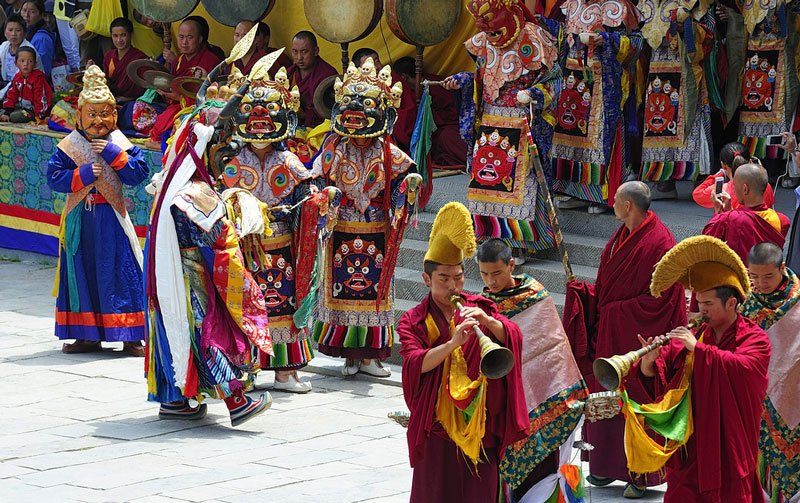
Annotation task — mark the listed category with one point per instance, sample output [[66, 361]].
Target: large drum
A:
[[423, 22], [343, 21], [231, 12], [165, 11]]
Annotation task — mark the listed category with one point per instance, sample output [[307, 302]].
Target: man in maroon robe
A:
[[728, 382], [406, 112], [752, 222], [443, 470], [196, 60], [259, 49], [448, 149], [603, 319], [116, 61], [306, 73]]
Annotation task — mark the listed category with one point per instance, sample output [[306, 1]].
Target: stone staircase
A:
[[585, 237]]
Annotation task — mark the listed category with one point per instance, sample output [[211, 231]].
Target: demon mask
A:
[[366, 102], [501, 20]]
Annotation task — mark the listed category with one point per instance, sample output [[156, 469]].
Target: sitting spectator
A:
[[306, 73], [204, 32], [29, 96], [448, 149], [196, 60], [407, 112], [259, 48], [116, 61], [15, 38], [38, 34], [731, 156], [12, 7]]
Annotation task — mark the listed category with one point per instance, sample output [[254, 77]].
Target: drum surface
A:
[[423, 22], [165, 11], [231, 12], [343, 21]]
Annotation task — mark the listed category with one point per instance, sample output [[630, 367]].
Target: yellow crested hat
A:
[[452, 236], [700, 263]]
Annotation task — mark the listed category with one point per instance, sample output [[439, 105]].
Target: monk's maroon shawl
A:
[[728, 388], [743, 228], [603, 319], [506, 413]]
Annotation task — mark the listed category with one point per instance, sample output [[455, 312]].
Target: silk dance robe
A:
[[441, 471], [603, 319], [353, 319], [504, 195], [280, 179], [779, 464], [589, 155], [729, 381], [206, 312], [99, 278], [551, 381]]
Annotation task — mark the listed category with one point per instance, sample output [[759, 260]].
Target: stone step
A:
[[582, 249], [548, 272]]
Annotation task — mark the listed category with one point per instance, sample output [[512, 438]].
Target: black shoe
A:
[[598, 481]]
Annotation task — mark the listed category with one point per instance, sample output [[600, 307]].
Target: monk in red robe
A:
[[753, 222], [730, 356], [196, 60], [603, 319], [116, 61], [259, 49], [451, 460], [306, 73], [448, 149]]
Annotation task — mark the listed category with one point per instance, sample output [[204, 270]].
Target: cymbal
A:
[[137, 69], [75, 78], [155, 79], [186, 86], [324, 98]]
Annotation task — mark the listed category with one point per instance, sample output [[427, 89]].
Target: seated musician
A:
[[259, 48], [196, 60], [448, 149], [116, 61], [455, 458], [721, 368], [406, 112], [306, 73]]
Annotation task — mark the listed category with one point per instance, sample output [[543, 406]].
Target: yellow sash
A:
[[456, 386]]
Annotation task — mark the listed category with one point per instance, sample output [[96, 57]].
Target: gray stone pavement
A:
[[77, 428]]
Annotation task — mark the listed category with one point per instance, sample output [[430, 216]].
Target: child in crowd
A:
[[15, 38], [29, 96]]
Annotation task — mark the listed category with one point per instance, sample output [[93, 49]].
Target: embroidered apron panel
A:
[[763, 83], [500, 160], [580, 106]]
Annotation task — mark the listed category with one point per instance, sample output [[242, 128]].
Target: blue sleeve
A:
[[61, 172], [136, 170], [45, 47]]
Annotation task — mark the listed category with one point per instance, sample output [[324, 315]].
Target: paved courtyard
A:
[[77, 428]]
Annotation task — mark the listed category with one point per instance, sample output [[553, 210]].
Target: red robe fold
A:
[[743, 228], [440, 472], [116, 71], [603, 320], [718, 463]]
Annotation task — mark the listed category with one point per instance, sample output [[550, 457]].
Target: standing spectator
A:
[[12, 7], [38, 34], [70, 43], [15, 38], [306, 73]]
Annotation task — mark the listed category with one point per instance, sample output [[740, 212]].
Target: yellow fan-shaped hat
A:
[[452, 236], [700, 263]]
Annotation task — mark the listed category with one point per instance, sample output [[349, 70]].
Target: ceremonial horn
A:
[[609, 372], [496, 361]]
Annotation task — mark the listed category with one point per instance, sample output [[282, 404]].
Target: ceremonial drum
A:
[[165, 11], [422, 22], [343, 21], [231, 12]]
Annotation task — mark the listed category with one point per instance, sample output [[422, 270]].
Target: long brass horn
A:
[[609, 372], [496, 361]]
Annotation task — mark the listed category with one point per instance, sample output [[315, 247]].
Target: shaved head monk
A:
[[752, 222], [604, 319], [306, 73]]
